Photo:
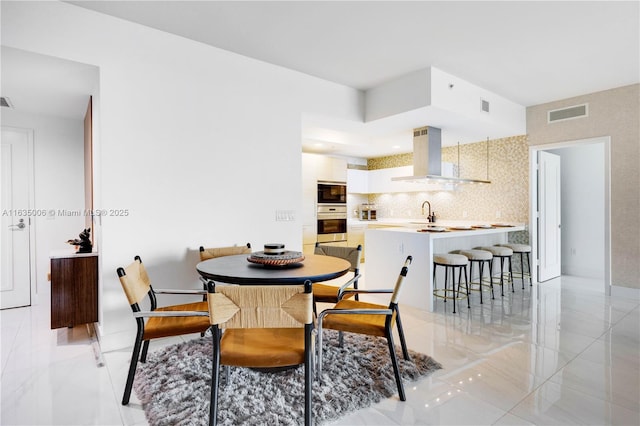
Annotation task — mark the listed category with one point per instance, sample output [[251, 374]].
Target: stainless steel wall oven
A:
[[332, 223]]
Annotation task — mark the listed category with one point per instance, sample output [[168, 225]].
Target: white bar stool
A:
[[451, 262], [480, 257], [501, 253], [522, 250]]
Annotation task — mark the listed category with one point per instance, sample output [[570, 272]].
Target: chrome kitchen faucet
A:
[[429, 215]]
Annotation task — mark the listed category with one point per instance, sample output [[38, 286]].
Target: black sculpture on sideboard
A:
[[84, 242]]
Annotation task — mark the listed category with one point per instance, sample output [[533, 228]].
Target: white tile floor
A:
[[558, 353]]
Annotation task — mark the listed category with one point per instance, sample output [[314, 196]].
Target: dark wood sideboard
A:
[[74, 289]]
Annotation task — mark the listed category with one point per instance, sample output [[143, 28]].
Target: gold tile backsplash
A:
[[505, 199], [390, 161]]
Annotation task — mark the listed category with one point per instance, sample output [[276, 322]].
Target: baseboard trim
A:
[[625, 292]]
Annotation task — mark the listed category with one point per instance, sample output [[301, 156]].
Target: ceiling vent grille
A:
[[569, 113], [420, 132], [5, 102]]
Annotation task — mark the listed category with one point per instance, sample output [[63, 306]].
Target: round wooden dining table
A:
[[238, 270]]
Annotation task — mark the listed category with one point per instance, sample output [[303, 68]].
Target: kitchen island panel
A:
[[386, 251], [388, 247]]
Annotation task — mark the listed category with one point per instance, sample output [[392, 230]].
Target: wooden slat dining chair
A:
[[172, 320], [265, 326], [355, 316]]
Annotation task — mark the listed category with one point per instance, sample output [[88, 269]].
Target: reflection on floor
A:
[[557, 353]]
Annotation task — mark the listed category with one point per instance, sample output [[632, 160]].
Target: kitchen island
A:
[[388, 247]]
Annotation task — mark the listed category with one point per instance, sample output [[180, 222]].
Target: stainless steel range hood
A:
[[427, 159]]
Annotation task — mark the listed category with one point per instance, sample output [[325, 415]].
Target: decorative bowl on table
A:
[[276, 255]]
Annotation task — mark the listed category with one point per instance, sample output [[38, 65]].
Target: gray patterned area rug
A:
[[174, 384]]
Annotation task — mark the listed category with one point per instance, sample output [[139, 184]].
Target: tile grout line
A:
[[562, 368]]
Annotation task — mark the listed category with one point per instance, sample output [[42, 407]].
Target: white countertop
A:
[[417, 223], [71, 252], [450, 233]]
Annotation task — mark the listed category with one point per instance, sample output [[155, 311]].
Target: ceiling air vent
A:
[[420, 132], [569, 113], [5, 102]]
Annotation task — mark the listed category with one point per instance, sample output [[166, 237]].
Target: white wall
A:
[[200, 145], [58, 185], [583, 210]]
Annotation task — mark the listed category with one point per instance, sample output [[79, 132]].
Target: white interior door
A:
[[549, 209], [16, 210]]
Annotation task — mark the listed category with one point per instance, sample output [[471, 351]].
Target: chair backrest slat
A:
[[260, 306], [135, 281], [352, 254], [213, 252]]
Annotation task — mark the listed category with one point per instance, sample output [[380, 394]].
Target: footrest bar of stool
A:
[[485, 284], [520, 275], [443, 294], [496, 281]]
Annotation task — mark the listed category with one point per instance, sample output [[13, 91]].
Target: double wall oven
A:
[[332, 212]]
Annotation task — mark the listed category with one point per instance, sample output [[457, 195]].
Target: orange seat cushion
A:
[[157, 327], [262, 348], [327, 293], [372, 325]]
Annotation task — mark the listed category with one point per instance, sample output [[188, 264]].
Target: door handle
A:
[[20, 225]]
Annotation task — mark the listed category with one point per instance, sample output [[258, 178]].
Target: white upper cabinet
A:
[[357, 181], [380, 180], [333, 169]]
